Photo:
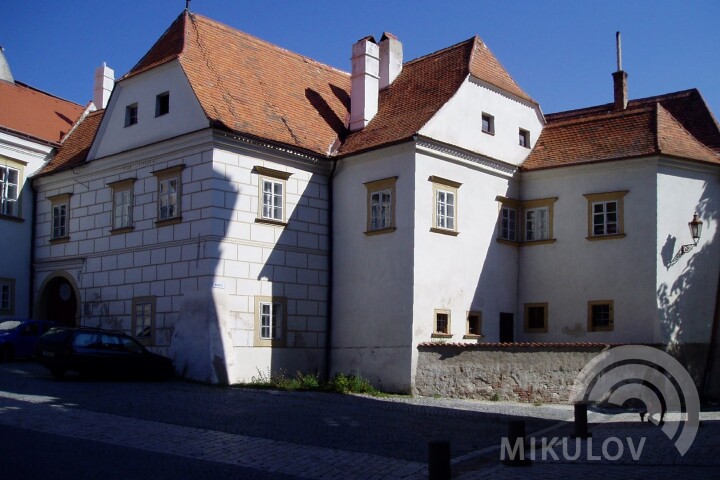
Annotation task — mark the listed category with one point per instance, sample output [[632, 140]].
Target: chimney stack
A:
[[364, 82], [391, 59], [620, 79], [5, 73], [104, 83]]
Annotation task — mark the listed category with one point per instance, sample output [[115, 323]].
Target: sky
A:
[[561, 52]]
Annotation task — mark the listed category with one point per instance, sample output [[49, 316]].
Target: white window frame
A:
[[270, 321], [602, 200], [537, 224], [122, 209], [60, 217], [272, 206], [144, 319], [381, 206], [445, 206], [508, 226], [8, 205], [169, 177]]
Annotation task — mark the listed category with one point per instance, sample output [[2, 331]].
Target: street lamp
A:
[[695, 232]]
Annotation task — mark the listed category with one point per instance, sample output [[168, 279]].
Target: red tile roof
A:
[[30, 112], [423, 87], [250, 86], [76, 146], [645, 128]]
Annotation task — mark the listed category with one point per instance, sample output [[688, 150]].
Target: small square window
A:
[[524, 138], [131, 114], [600, 316], [474, 324], [536, 317], [488, 123], [442, 322], [162, 104]]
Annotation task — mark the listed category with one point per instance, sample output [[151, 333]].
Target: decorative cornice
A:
[[486, 163]]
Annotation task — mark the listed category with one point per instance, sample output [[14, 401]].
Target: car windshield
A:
[[9, 325]]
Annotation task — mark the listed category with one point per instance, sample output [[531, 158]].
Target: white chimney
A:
[[364, 83], [104, 83], [391, 59]]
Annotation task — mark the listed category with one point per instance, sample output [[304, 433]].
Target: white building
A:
[[246, 209], [32, 125]]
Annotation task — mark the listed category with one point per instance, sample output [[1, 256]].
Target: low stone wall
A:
[[512, 372]]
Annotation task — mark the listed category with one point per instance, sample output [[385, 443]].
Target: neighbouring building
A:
[[32, 126], [245, 209]]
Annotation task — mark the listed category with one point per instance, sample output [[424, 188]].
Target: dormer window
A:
[[524, 138], [131, 114], [488, 123], [162, 104]]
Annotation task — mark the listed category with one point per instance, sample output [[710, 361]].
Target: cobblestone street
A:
[[271, 434]]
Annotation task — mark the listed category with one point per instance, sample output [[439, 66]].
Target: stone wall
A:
[[520, 373]]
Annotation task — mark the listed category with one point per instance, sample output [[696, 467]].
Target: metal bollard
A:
[[581, 421], [516, 433], [439, 460]]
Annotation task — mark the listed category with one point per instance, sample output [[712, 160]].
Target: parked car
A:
[[99, 352], [18, 336]]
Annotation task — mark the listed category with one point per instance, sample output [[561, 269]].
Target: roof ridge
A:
[[479, 43], [139, 67], [599, 116], [631, 103], [441, 51]]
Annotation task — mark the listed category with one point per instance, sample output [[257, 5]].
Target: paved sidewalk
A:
[[658, 458]]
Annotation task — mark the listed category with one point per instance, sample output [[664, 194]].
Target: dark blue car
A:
[[18, 337]]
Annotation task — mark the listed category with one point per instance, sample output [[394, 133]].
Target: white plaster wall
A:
[[686, 291], [16, 237], [459, 122], [373, 274], [186, 114], [167, 262], [258, 259], [467, 272], [573, 270]]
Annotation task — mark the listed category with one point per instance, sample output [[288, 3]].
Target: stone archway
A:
[[59, 301]]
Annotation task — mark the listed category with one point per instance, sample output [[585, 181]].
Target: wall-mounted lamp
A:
[[695, 231]]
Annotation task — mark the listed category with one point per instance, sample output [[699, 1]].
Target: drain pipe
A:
[[328, 328]]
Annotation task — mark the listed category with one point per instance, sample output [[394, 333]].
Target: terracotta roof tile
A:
[[423, 87], [34, 113], [76, 146], [600, 134]]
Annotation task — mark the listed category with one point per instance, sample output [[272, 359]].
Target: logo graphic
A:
[[650, 376]]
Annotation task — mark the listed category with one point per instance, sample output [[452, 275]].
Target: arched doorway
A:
[[58, 301]]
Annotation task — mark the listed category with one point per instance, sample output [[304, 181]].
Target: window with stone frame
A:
[[169, 195], [601, 316], [445, 205], [474, 325], [60, 217], [536, 317], [606, 218], [272, 198], [122, 194], [381, 206], [143, 319], [441, 324], [270, 321], [10, 190]]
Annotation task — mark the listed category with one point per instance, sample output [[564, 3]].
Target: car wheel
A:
[[57, 372]]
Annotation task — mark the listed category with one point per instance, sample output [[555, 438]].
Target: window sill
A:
[[469, 336], [606, 237], [118, 231], [445, 231], [60, 240], [441, 335], [168, 221], [269, 221], [507, 242], [537, 242], [269, 343], [11, 218], [535, 330], [488, 132], [380, 231]]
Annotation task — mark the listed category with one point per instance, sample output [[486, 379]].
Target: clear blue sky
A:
[[561, 52]]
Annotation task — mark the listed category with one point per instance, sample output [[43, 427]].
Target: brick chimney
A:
[[620, 88], [364, 82], [391, 59], [104, 83]]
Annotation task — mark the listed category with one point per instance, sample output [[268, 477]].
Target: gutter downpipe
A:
[[331, 283]]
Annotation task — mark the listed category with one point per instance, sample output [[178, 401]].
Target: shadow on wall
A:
[[686, 306], [201, 345]]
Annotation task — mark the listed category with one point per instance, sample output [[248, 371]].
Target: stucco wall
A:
[[518, 373]]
